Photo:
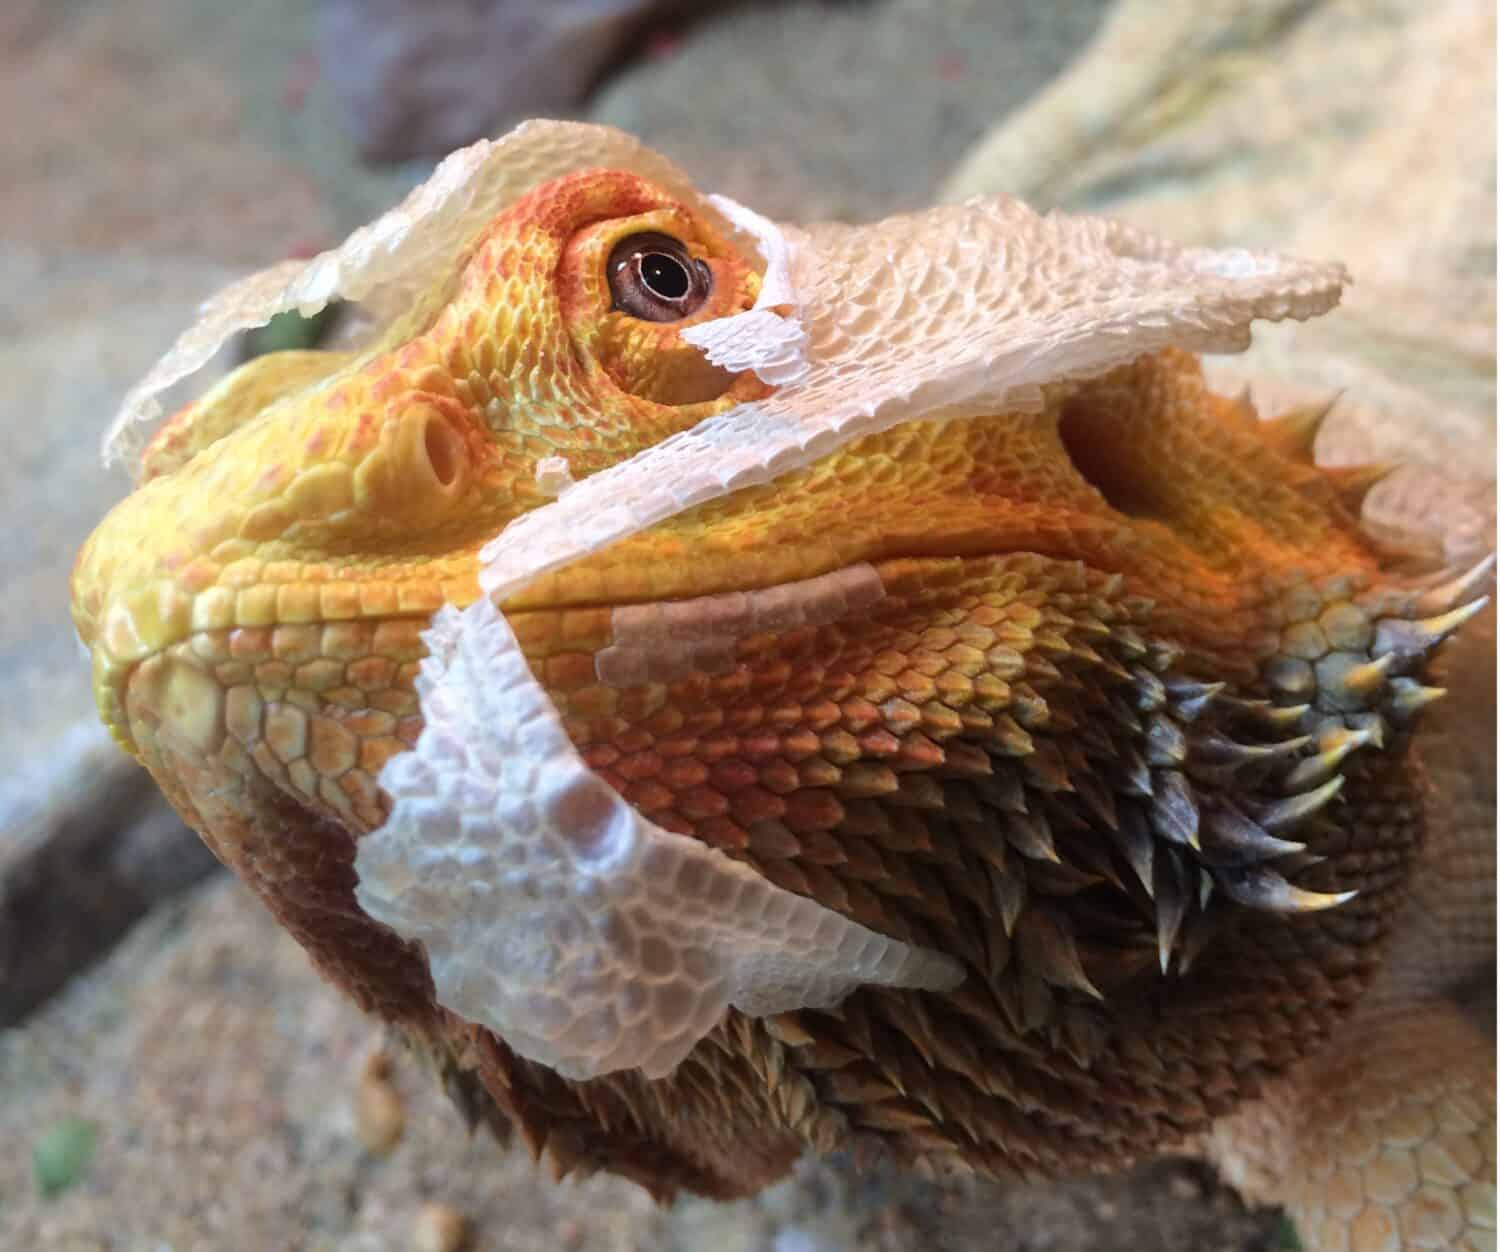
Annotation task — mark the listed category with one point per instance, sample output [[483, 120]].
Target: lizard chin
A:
[[1180, 807]]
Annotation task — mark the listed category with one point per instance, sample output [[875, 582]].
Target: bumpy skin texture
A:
[[1140, 701]]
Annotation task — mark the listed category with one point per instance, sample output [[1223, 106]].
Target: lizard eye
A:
[[653, 277]]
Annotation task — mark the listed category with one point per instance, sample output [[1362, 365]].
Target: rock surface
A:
[[75, 330], [418, 78], [84, 870], [843, 110], [1363, 132]]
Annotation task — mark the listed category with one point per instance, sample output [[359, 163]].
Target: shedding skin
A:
[[1140, 730]]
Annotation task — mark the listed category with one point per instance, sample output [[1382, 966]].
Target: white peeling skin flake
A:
[[662, 642], [588, 938], [775, 347], [553, 475], [759, 339]]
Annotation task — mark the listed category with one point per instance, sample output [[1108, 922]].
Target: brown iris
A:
[[653, 277]]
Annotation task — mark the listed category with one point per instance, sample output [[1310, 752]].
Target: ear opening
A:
[[1092, 438]]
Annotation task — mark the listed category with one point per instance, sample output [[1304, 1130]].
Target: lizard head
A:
[[318, 487], [940, 590]]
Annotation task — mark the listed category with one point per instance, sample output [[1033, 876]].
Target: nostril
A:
[[444, 450]]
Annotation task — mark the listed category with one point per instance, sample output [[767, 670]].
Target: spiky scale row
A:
[[1454, 587], [1174, 847], [1294, 432], [1259, 888], [1178, 846], [1333, 750], [1292, 760], [1102, 737], [1353, 483], [1343, 697], [1189, 698], [1170, 892], [1232, 839], [1409, 698], [1291, 812], [1404, 639]]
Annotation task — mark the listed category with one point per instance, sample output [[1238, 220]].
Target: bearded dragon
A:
[[725, 689]]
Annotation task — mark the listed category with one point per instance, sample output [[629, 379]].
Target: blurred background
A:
[[172, 1074]]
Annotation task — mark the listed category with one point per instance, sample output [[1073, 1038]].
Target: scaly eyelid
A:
[[583, 280], [646, 360]]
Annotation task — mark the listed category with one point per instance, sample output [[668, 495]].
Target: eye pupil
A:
[[654, 277], [665, 275]]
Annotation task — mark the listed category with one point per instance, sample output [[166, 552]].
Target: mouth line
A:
[[621, 638], [461, 596]]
